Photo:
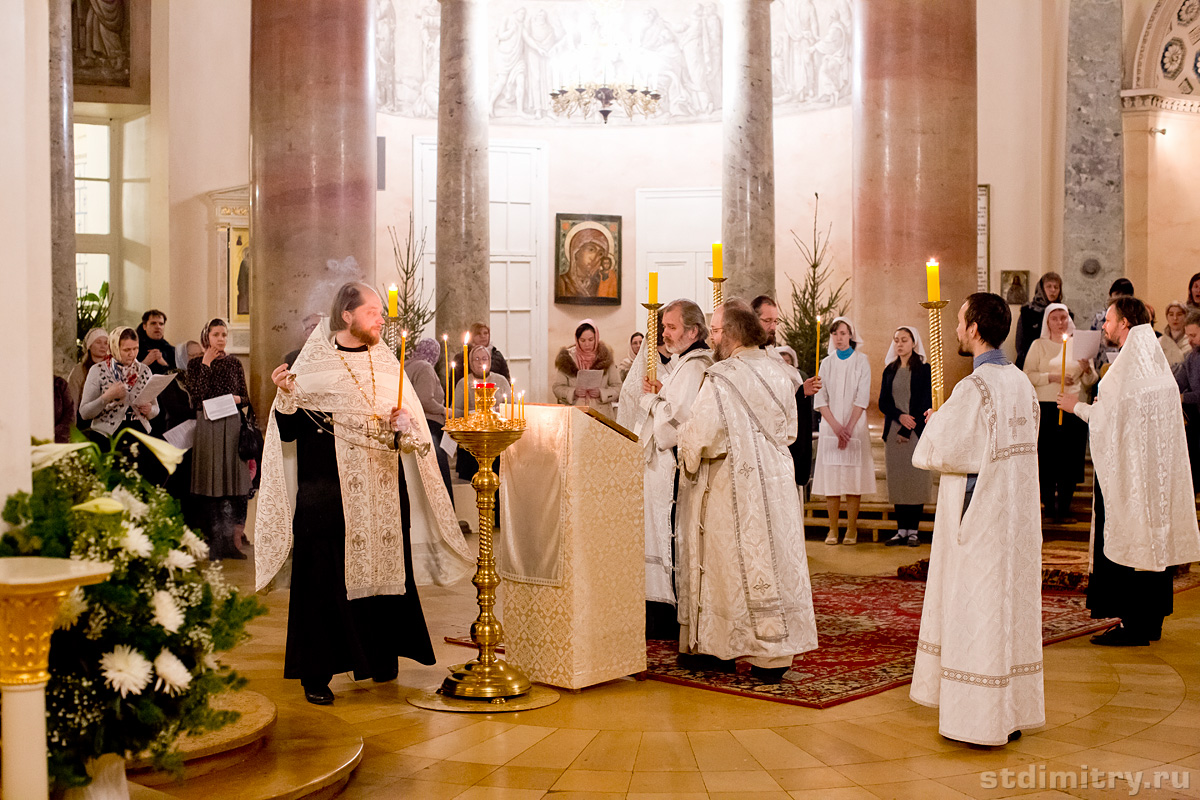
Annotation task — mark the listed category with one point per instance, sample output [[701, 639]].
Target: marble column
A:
[[62, 186], [914, 168], [748, 186], [1094, 204], [463, 232], [312, 165]]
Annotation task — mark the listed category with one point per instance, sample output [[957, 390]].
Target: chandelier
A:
[[588, 97]]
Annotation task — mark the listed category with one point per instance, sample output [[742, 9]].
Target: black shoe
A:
[[319, 696], [768, 674], [901, 537], [703, 662], [387, 675], [1012, 737], [1120, 636]]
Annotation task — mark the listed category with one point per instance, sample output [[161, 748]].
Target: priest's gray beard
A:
[[723, 350]]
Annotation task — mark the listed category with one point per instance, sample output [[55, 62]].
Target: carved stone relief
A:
[[100, 42], [673, 46]]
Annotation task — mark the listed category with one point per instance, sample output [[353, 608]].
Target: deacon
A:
[[801, 449], [744, 591], [667, 404], [1145, 509], [979, 654], [368, 517]]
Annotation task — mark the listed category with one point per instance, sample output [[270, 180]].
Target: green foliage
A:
[[163, 600], [812, 299], [91, 311], [415, 309]]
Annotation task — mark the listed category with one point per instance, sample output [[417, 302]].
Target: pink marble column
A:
[[312, 163], [748, 187], [463, 231], [914, 167]]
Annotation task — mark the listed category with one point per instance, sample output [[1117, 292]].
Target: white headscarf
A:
[[829, 348], [1046, 320], [783, 348], [918, 345]]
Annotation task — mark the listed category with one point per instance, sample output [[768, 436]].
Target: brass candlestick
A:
[[718, 297], [935, 350], [652, 338], [485, 434]]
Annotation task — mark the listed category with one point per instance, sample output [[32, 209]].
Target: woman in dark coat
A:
[[1029, 322], [905, 394]]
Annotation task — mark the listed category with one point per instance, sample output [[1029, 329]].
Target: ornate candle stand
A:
[[651, 337], [485, 434], [391, 333], [31, 589], [718, 295], [935, 350]]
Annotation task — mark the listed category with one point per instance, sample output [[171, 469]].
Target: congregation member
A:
[[1193, 293], [1174, 339], [220, 478], [630, 414], [420, 369], [1121, 287], [1029, 322], [1145, 505], [801, 449], [635, 347], [95, 350], [905, 394], [744, 590], [1188, 379], [1060, 446], [109, 400], [844, 462], [358, 553], [587, 354], [667, 404], [787, 355], [481, 336], [979, 653], [153, 348], [464, 403]]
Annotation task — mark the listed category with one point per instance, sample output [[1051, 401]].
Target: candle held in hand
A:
[[718, 261], [1062, 380], [817, 350], [403, 342], [933, 280]]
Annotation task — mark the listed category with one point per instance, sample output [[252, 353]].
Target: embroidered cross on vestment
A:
[[745, 469], [1015, 422]]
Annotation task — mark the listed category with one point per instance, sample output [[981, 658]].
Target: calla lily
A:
[[100, 505], [167, 453], [46, 454]]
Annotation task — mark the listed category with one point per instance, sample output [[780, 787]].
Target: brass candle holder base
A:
[[485, 434], [718, 293], [935, 350]]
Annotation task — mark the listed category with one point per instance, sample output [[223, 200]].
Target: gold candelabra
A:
[[485, 434], [585, 98], [935, 350], [650, 343], [718, 296]]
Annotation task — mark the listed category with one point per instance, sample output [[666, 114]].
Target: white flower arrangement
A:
[[178, 559], [173, 676], [135, 541], [126, 670], [166, 613]]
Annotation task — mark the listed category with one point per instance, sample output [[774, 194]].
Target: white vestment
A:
[[743, 573], [979, 654], [1140, 454], [665, 412], [845, 385], [630, 412]]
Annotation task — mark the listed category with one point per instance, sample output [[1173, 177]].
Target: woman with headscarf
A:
[[110, 393], [844, 462], [591, 354], [464, 398], [420, 371], [1060, 447], [635, 347], [481, 336], [1174, 340], [1193, 294], [905, 394], [1029, 322], [95, 350], [219, 476]]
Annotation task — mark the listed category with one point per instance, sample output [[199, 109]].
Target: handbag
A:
[[250, 439]]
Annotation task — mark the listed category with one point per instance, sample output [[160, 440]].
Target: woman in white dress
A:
[[844, 462]]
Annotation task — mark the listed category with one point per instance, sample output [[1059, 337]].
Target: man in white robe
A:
[[1144, 517], [979, 654], [630, 413], [667, 403], [744, 590]]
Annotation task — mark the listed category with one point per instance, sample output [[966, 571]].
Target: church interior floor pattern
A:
[[1116, 710]]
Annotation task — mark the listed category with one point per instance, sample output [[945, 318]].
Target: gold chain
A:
[[370, 402]]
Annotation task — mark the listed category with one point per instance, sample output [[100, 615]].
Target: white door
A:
[[676, 230], [518, 192]]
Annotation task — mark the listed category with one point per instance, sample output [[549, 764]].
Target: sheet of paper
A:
[[220, 407], [182, 435], [1086, 344], [590, 379], [153, 388], [448, 444]]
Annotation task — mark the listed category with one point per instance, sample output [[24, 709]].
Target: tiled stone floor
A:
[[1127, 710]]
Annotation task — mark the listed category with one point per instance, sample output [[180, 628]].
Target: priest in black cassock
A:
[[351, 486]]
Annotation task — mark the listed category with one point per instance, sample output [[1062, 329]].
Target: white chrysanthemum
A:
[[194, 544], [126, 670], [177, 559], [211, 662], [166, 612], [70, 609], [136, 508], [173, 676], [135, 541]]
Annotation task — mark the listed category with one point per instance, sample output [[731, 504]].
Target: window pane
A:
[[91, 270], [91, 206], [91, 151]]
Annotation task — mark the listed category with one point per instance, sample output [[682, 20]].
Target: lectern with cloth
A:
[[571, 549]]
